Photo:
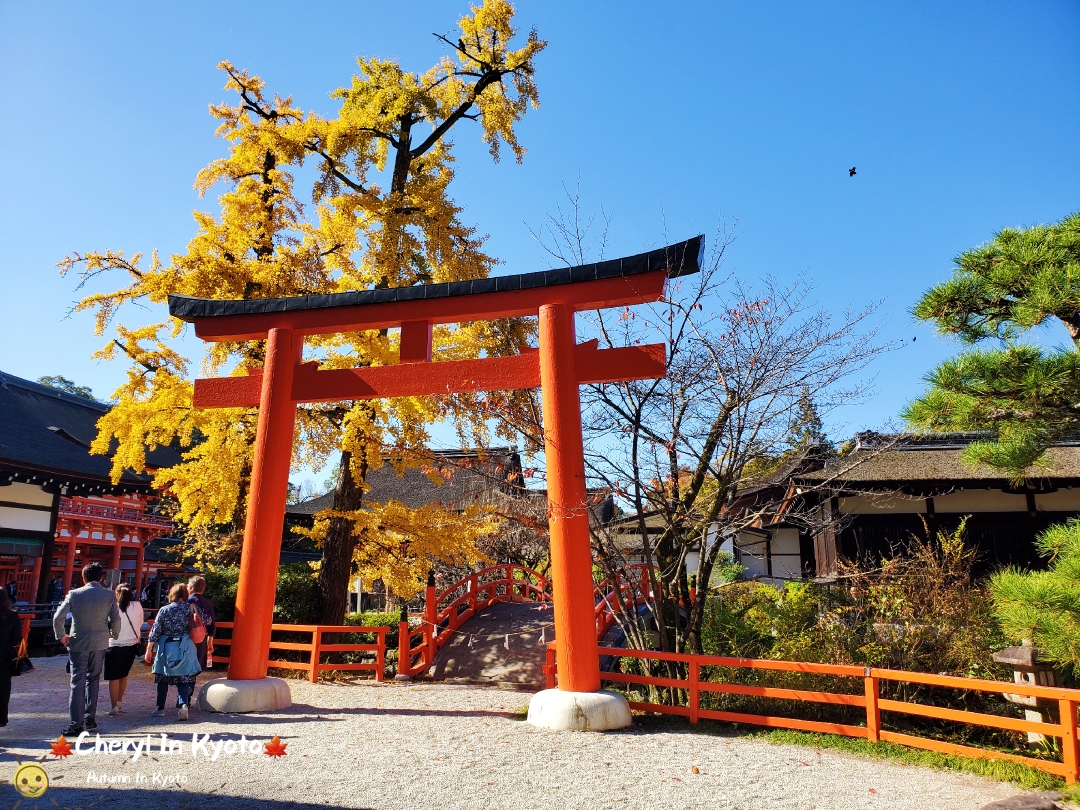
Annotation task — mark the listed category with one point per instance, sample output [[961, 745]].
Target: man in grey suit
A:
[[95, 618]]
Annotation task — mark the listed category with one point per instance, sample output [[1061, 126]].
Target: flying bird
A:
[[851, 172]]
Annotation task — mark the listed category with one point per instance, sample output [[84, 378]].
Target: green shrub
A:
[[296, 599], [388, 620]]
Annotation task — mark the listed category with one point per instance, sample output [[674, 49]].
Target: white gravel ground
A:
[[364, 745]]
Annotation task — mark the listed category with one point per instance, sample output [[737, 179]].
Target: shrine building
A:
[[59, 510]]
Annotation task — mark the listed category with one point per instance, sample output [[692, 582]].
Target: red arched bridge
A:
[[494, 625]]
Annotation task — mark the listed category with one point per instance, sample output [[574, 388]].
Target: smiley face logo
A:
[[30, 780]]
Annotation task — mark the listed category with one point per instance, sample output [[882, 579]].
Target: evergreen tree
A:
[[1044, 606], [1024, 395], [64, 384]]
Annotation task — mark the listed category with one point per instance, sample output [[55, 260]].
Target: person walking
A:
[[95, 618], [56, 589], [10, 639], [121, 653], [172, 651], [12, 589], [196, 586]]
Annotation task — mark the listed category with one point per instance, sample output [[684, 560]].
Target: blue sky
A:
[[962, 118]]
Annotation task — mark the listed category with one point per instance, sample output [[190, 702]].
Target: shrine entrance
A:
[[557, 367]]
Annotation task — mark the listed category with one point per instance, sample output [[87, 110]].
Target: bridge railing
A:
[[696, 682], [315, 647], [444, 613]]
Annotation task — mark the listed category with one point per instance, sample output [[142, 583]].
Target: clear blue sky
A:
[[962, 118]]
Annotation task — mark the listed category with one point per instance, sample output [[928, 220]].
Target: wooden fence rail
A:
[[869, 700], [315, 648]]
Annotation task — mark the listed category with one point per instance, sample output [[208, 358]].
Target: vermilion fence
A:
[[315, 648], [870, 701]]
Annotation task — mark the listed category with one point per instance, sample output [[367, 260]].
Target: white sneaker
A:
[[157, 713], [119, 709], [181, 713], [115, 710]]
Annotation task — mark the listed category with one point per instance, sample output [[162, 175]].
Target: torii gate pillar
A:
[[578, 704]]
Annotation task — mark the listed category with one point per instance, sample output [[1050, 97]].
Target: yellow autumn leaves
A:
[[376, 214]]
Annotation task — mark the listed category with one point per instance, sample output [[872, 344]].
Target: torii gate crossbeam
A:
[[558, 367]]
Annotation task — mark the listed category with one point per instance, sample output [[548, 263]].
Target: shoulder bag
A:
[[22, 663], [196, 626]]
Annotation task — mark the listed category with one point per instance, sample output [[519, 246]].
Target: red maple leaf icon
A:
[[275, 748], [61, 748]]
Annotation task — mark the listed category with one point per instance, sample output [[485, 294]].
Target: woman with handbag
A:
[[10, 642], [123, 649], [178, 627]]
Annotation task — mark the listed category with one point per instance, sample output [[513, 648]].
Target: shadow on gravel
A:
[[427, 712], [140, 799]]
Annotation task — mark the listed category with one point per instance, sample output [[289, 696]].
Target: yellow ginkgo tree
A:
[[380, 215]]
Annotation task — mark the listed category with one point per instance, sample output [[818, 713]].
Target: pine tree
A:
[[1025, 396], [1044, 606]]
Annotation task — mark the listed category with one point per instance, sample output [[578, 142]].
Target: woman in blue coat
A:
[[175, 661]]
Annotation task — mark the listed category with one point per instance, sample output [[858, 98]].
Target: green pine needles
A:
[[1026, 397], [1044, 606]]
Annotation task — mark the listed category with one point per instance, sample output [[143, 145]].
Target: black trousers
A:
[[5, 695]]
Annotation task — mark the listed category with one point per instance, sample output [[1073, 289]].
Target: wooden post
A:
[[316, 643], [380, 657], [117, 532], [35, 578], [140, 562], [695, 691], [404, 663], [472, 593], [431, 617], [549, 666], [873, 712], [48, 551], [260, 556], [1070, 751], [69, 558], [568, 516]]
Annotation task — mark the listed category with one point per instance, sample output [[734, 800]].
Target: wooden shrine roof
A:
[[47, 433]]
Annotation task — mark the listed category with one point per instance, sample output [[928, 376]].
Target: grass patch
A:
[[1015, 773], [999, 769]]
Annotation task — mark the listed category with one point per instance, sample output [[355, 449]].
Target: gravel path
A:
[[389, 746]]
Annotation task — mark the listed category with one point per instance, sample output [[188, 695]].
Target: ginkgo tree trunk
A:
[[380, 216]]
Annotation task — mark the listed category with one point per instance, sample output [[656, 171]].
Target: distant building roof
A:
[[462, 477], [932, 457], [46, 434]]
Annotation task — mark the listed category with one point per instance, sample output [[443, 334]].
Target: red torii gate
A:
[[558, 367]]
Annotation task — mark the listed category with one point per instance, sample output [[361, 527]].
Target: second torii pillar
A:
[[578, 703]]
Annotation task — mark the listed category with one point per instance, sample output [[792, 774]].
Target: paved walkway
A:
[[446, 746]]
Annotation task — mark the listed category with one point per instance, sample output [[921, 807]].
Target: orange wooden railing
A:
[[445, 613], [316, 647], [870, 700]]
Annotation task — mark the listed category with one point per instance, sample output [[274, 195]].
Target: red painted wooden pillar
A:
[[261, 551], [571, 555], [140, 562]]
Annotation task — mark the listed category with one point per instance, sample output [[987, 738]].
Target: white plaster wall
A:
[[1064, 500], [894, 504], [786, 542], [31, 494], [979, 500], [752, 554], [28, 519]]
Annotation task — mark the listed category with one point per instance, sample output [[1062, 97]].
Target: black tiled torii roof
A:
[[679, 259], [46, 432]]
